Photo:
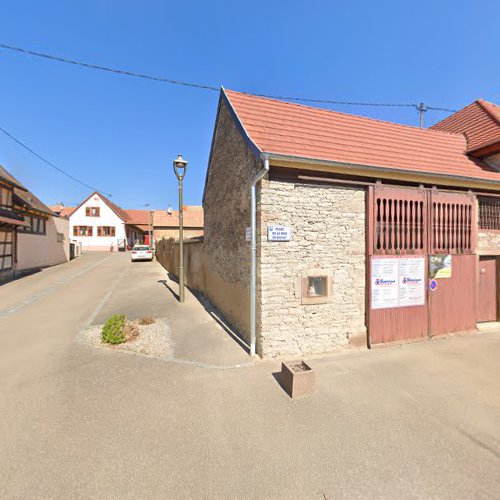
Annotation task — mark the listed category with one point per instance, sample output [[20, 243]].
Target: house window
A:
[[6, 249], [106, 231], [92, 211], [82, 231], [60, 237], [316, 289], [489, 214], [5, 197], [36, 225]]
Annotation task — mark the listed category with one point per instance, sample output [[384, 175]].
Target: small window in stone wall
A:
[[316, 289]]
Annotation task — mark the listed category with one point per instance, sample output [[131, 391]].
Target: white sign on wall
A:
[[279, 233], [385, 283], [397, 282], [411, 281], [248, 233]]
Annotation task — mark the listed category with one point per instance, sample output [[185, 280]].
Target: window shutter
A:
[[75, 230], [113, 231]]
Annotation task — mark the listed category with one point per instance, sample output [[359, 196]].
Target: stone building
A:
[[367, 231]]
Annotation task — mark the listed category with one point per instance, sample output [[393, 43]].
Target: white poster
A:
[[398, 282], [385, 283], [411, 281]]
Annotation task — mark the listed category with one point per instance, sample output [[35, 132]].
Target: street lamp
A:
[[180, 167]]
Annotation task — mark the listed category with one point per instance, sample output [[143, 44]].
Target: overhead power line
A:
[[44, 160], [203, 86], [104, 68]]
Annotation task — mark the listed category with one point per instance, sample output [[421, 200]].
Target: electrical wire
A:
[[203, 86], [40, 157], [104, 68]]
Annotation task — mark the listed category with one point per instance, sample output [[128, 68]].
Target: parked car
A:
[[141, 252]]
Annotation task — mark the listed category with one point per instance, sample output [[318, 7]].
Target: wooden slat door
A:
[[453, 231], [487, 290], [397, 229]]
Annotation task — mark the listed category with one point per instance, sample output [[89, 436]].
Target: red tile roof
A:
[[479, 122], [295, 130], [62, 210], [193, 217], [137, 217]]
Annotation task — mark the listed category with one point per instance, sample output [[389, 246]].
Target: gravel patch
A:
[[153, 340]]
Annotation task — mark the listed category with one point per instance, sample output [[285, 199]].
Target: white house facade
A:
[[100, 225]]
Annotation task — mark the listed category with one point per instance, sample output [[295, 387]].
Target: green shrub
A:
[[112, 331]]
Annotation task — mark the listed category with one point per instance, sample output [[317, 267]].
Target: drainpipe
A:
[[253, 246]]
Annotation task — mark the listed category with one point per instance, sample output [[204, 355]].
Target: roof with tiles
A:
[[479, 122], [295, 130], [138, 217], [193, 217], [28, 201], [10, 179], [62, 210]]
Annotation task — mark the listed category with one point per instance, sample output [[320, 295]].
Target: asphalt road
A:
[[420, 421]]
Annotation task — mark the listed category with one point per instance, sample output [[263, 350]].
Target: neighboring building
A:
[[10, 220], [367, 212], [31, 236], [44, 240], [100, 225], [166, 223]]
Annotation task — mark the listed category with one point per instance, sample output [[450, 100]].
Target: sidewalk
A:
[[198, 336]]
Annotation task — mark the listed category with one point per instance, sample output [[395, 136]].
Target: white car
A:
[[141, 252]]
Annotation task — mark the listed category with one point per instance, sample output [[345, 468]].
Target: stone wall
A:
[[488, 242], [328, 237], [227, 214]]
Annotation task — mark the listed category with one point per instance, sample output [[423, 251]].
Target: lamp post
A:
[[180, 167]]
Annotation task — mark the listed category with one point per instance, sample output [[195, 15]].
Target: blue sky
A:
[[121, 134]]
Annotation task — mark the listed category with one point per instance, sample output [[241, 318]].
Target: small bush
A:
[[112, 331], [130, 330], [147, 320]]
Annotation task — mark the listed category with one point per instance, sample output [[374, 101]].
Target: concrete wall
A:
[[227, 214], [107, 218], [37, 250], [328, 238]]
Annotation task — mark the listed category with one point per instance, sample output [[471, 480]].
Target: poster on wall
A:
[[411, 281], [385, 286], [397, 282], [439, 266]]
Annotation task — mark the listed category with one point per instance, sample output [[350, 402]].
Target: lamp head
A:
[[180, 167]]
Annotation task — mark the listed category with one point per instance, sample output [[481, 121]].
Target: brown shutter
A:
[[113, 231], [90, 230], [99, 230], [75, 230]]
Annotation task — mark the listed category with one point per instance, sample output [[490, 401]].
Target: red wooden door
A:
[[397, 233], [487, 293]]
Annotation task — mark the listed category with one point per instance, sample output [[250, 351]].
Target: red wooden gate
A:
[[453, 232], [396, 228], [413, 223]]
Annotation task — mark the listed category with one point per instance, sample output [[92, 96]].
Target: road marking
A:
[[37, 296]]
